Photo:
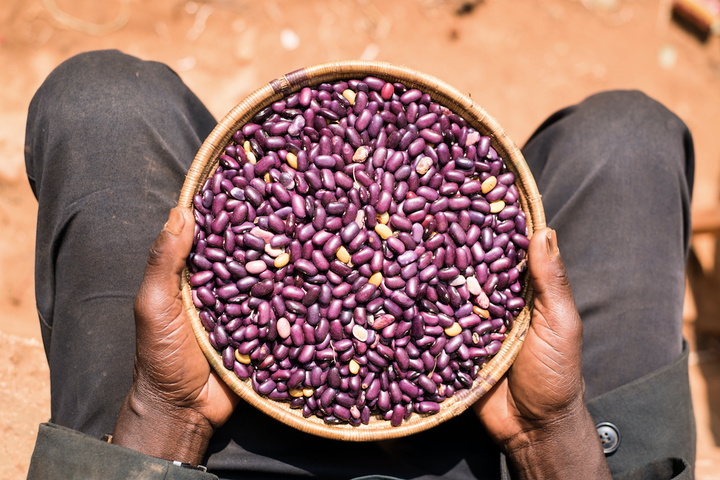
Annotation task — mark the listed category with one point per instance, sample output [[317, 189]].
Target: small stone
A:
[[424, 165], [472, 138], [361, 154], [522, 265], [249, 153], [289, 39]]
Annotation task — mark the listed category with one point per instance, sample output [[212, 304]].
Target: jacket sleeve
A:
[[653, 417], [61, 453]]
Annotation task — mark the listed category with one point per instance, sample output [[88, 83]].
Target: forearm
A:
[[154, 428], [567, 448]]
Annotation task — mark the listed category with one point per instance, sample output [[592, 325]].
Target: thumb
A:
[[165, 263], [555, 309]]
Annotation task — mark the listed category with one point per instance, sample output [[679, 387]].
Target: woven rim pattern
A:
[[206, 162]]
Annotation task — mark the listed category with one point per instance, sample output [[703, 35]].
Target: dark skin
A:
[[175, 395], [536, 413]]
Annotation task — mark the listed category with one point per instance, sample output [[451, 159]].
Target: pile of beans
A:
[[358, 252]]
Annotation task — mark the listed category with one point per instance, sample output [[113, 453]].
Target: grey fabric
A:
[[109, 140], [615, 173], [64, 454], [675, 468], [652, 417]]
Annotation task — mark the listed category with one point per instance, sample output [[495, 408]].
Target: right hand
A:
[[176, 400]]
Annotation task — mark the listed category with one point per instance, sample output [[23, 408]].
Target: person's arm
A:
[[536, 413], [176, 400]]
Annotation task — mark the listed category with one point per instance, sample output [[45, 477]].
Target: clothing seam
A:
[[42, 319]]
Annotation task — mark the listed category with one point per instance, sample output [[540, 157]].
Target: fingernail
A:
[[175, 222], [551, 244]]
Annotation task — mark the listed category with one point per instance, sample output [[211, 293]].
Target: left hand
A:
[[536, 413]]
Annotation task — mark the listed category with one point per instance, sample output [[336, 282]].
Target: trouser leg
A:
[[109, 140], [615, 173]]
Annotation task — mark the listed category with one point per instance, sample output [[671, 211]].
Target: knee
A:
[[104, 82], [621, 100], [625, 131], [632, 122], [89, 67]]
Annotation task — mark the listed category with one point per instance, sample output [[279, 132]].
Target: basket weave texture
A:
[[206, 162]]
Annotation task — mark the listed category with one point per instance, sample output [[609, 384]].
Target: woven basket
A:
[[206, 162]]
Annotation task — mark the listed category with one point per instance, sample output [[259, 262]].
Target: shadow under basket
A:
[[206, 161]]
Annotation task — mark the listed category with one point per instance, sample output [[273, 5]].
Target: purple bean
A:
[[443, 234]]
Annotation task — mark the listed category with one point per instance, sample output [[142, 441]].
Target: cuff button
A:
[[609, 437]]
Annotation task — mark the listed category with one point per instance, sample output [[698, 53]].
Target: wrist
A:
[[564, 446], [155, 427]]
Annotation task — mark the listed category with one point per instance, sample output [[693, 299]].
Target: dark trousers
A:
[[109, 140]]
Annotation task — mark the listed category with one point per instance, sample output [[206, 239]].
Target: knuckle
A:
[[155, 255]]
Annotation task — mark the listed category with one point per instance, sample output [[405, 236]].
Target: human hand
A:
[[176, 400], [536, 413]]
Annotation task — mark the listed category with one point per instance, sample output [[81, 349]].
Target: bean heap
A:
[[358, 252]]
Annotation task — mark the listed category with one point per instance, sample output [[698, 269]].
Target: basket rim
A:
[[206, 161]]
